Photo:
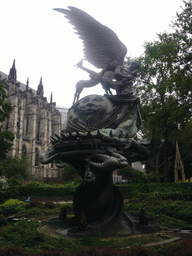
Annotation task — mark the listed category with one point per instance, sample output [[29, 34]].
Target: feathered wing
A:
[[101, 44]]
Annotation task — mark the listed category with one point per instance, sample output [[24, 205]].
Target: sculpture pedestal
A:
[[127, 225], [103, 217]]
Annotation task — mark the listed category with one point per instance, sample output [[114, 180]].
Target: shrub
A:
[[3, 220], [11, 206], [134, 174], [67, 207], [144, 188], [46, 191], [28, 206], [8, 193], [184, 248], [24, 233], [14, 251], [34, 183], [33, 212], [1, 184], [35, 204], [50, 205], [14, 182], [135, 251], [130, 190]]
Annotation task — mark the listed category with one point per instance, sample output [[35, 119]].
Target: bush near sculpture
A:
[[31, 243], [173, 214], [3, 220], [47, 191], [173, 191], [33, 209], [36, 191], [174, 196], [183, 248], [26, 235], [8, 193], [16, 234], [11, 206], [137, 251], [165, 213]]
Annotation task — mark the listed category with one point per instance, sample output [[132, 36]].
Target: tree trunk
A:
[[157, 168], [166, 161]]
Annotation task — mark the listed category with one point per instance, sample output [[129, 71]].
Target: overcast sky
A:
[[43, 43]]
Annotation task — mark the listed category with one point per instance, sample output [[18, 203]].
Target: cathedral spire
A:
[[13, 73], [27, 84], [40, 88], [51, 98], [179, 166]]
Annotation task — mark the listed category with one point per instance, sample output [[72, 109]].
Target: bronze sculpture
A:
[[104, 50], [101, 133]]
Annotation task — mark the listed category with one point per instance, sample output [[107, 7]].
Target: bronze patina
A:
[[101, 133]]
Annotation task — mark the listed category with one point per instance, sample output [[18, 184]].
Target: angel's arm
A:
[[80, 65]]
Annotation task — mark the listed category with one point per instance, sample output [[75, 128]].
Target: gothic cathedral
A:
[[32, 121]]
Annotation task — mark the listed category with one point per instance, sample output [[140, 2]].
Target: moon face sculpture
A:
[[101, 133], [89, 113], [93, 109]]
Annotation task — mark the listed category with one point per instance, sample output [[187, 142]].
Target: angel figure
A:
[[103, 49]]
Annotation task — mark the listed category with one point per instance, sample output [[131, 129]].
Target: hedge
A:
[[48, 191], [34, 191], [163, 191]]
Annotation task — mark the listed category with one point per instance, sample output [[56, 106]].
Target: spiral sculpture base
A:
[[126, 226], [112, 222]]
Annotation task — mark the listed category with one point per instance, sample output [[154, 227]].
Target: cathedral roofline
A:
[[4, 79], [22, 86]]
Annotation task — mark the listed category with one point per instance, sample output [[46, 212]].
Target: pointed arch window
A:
[[7, 123], [27, 124], [24, 150], [38, 131], [36, 157]]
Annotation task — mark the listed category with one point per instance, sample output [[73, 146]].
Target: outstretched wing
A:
[[101, 44]]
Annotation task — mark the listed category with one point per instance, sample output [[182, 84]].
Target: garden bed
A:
[[172, 215]]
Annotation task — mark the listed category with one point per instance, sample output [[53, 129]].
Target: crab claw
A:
[[60, 164], [106, 162], [48, 155]]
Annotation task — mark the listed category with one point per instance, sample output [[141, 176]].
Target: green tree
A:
[[132, 173], [182, 26], [164, 87], [162, 111], [185, 146], [15, 168], [183, 32], [6, 137], [166, 78], [70, 173]]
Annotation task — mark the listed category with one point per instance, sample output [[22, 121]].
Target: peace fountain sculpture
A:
[[101, 133]]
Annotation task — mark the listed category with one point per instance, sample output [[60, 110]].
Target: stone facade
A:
[[32, 121], [138, 166], [63, 111]]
